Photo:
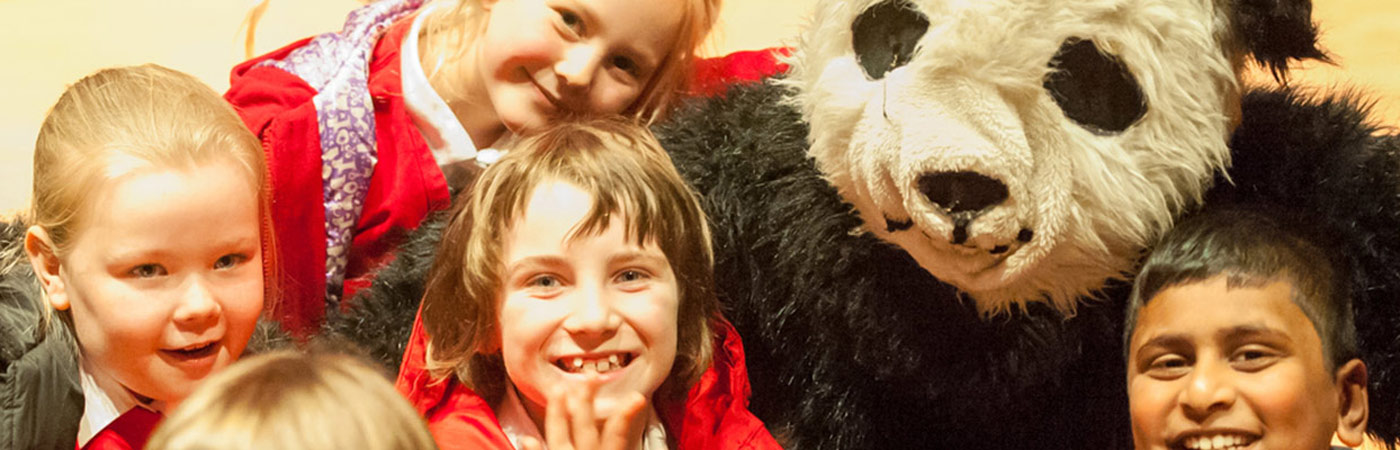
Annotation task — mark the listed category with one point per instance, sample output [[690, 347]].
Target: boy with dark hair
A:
[[1239, 332]]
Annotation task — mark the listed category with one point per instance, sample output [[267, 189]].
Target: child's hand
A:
[[570, 423]]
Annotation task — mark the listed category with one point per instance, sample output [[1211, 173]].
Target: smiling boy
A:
[[1240, 335]]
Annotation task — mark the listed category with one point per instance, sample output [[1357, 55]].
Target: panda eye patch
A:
[[1094, 89], [884, 36]]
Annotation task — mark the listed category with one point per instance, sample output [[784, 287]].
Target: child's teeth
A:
[[579, 364]]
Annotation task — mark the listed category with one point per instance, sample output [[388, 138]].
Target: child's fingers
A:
[[621, 428], [581, 419], [556, 421], [529, 443]]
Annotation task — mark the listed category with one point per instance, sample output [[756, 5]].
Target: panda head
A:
[[1028, 150]]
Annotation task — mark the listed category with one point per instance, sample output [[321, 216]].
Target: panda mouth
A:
[[959, 238]]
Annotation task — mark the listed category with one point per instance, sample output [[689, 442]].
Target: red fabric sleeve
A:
[[277, 107], [457, 417], [714, 75]]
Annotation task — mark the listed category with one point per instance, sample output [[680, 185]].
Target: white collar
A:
[[516, 423], [444, 134], [100, 408]]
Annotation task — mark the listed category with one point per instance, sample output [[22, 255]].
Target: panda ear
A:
[[1276, 31]]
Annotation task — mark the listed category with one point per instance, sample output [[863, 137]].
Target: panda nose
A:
[[958, 192]]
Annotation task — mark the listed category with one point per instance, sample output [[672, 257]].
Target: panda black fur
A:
[[850, 344]]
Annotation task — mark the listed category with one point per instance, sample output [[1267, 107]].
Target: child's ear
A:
[[1354, 407], [42, 257]]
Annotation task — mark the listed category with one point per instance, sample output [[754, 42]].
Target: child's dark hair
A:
[[1251, 249]]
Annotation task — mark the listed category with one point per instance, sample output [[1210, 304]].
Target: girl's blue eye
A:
[[544, 281], [147, 271], [631, 275]]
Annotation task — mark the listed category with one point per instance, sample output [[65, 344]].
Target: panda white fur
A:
[[1023, 151]]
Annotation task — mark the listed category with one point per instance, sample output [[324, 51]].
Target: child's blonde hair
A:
[[287, 399], [623, 168], [451, 28], [126, 119]]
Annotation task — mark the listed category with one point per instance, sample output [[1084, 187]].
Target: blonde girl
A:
[[572, 302], [367, 128], [290, 400], [147, 239]]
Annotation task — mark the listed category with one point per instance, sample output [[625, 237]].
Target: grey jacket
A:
[[41, 397]]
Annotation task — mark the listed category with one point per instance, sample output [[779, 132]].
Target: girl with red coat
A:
[[571, 303], [360, 126]]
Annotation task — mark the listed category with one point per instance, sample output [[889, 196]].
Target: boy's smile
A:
[[576, 306], [1212, 367]]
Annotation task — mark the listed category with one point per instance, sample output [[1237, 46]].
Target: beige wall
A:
[[49, 43]]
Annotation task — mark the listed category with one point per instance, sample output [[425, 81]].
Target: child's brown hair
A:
[[627, 174]]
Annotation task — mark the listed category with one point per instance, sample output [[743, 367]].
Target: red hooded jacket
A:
[[715, 413]]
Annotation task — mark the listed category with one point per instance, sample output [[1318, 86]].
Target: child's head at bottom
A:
[[1240, 334], [147, 231], [580, 254], [291, 400]]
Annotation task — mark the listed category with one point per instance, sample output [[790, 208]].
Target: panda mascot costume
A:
[[925, 229]]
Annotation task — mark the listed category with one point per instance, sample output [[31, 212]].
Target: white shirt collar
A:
[[446, 138], [516, 423], [99, 408]]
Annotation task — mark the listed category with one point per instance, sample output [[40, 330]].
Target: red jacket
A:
[[406, 184], [715, 414]]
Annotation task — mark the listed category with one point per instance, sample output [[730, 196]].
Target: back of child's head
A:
[[1252, 249], [292, 400], [452, 27], [123, 120], [623, 168]]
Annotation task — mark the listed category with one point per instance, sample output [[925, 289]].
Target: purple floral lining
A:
[[337, 66]]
